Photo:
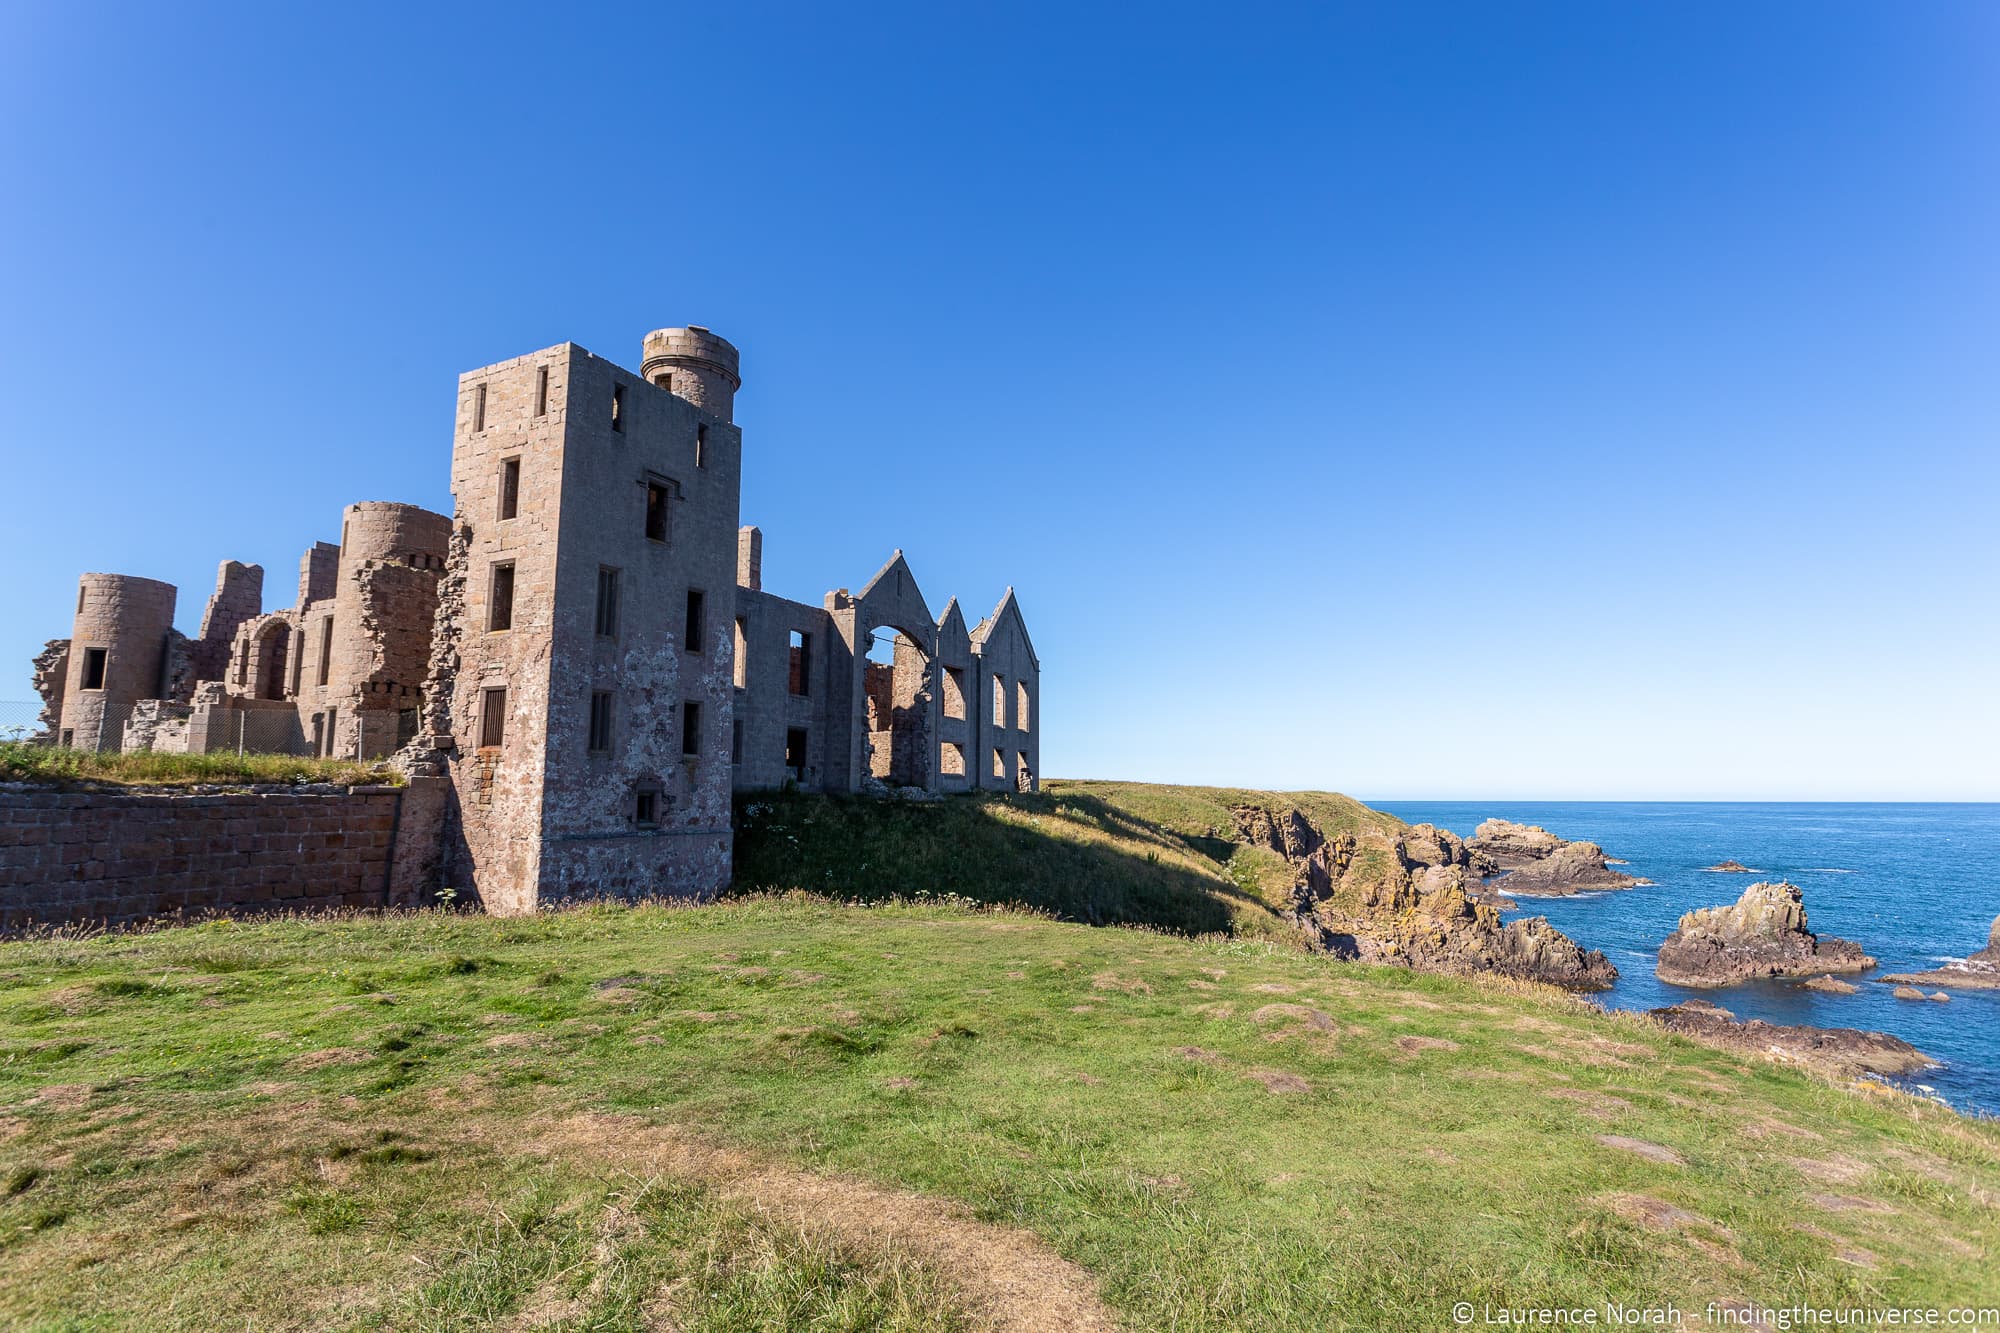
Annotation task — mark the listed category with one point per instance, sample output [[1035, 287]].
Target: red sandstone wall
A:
[[101, 857]]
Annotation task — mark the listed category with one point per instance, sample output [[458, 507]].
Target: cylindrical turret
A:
[[694, 364], [397, 533], [117, 656]]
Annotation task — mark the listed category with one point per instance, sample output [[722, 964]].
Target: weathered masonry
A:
[[584, 651]]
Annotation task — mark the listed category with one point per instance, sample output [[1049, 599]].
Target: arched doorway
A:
[[272, 648], [897, 691]]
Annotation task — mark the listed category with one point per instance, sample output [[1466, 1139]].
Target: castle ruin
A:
[[583, 652]]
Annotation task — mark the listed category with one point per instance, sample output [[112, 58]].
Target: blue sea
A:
[[1914, 885]]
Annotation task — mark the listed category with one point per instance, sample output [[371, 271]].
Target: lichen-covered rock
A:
[[1574, 867], [1511, 845], [1762, 934], [1838, 1052]]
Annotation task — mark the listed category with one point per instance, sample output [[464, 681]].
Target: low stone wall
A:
[[120, 857]]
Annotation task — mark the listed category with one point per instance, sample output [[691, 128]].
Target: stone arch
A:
[[270, 654], [899, 690]]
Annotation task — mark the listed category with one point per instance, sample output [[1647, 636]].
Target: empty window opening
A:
[[656, 511], [690, 728], [742, 653], [510, 487], [999, 764], [801, 669], [607, 602], [600, 722], [94, 662], [541, 391], [736, 741], [298, 657], [999, 700], [500, 604], [1020, 705], [478, 409], [694, 630], [332, 731], [81, 595], [954, 696], [665, 379], [951, 759], [618, 407], [646, 807], [701, 446], [795, 753], [897, 696], [69, 738], [273, 647], [493, 717], [1023, 779], [326, 650]]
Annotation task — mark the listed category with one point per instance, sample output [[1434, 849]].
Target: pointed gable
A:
[[1006, 617]]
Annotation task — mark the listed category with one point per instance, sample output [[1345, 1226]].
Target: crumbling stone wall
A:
[[238, 597], [51, 667]]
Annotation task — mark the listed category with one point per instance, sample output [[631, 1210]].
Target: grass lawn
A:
[[795, 1114], [20, 762]]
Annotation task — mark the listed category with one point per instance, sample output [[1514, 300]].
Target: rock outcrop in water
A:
[[1763, 934], [1980, 971], [1407, 898], [1730, 868], [1840, 1052], [1539, 864]]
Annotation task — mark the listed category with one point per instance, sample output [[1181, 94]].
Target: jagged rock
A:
[[1764, 934], [1574, 867], [1980, 971], [1730, 868], [1510, 845], [1832, 986], [1840, 1052]]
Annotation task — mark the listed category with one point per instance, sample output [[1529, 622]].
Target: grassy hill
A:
[[1107, 853], [794, 1113]]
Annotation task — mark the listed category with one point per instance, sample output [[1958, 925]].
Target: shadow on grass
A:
[[858, 848]]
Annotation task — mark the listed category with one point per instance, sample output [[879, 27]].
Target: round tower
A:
[[392, 533], [117, 656], [694, 364]]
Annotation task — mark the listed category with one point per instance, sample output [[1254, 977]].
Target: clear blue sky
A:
[[1535, 400]]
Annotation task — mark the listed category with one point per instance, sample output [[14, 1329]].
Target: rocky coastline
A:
[[1410, 898], [1763, 934], [1835, 1052], [1980, 971], [1534, 863]]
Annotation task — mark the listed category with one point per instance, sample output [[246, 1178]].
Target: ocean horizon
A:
[[1915, 883]]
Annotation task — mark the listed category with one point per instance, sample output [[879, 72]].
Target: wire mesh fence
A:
[[242, 727]]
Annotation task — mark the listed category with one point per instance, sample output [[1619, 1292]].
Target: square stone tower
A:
[[585, 625]]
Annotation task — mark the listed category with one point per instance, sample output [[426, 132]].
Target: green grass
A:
[[20, 762], [348, 1124]]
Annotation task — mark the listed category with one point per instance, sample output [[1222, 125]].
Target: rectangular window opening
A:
[[646, 808], [954, 694], [701, 446], [618, 408], [999, 764], [510, 487], [656, 511], [478, 408], [999, 700], [742, 653], [493, 717], [326, 650], [694, 630], [736, 741], [600, 722], [541, 391], [94, 662], [1020, 705], [690, 729], [500, 604], [951, 759], [801, 669], [607, 602], [795, 753]]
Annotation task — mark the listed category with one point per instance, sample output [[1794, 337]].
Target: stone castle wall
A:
[[112, 858]]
